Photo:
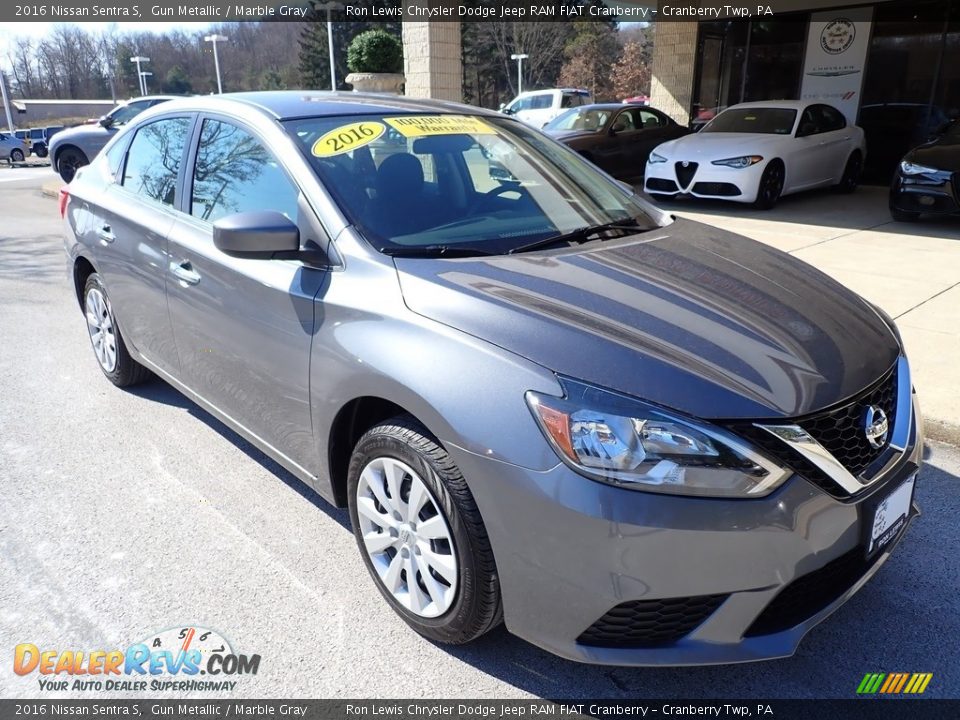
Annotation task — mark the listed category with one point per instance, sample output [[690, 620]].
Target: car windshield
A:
[[459, 182], [580, 119], [125, 113], [772, 121]]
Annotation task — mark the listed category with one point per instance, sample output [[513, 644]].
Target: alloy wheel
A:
[[16, 155], [771, 184], [407, 537], [101, 328]]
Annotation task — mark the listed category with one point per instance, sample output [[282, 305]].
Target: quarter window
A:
[[832, 119], [154, 158], [235, 173]]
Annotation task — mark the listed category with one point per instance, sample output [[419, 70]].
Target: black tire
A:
[[476, 608], [40, 152], [851, 173], [16, 155], [771, 185], [126, 371], [905, 216], [69, 160]]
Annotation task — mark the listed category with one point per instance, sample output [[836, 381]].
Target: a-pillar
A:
[[432, 60]]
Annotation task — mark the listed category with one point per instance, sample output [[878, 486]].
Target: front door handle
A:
[[185, 273], [105, 233]]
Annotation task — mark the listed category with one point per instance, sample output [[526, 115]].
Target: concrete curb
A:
[[51, 188]]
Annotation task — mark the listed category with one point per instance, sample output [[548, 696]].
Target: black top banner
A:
[[385, 10]]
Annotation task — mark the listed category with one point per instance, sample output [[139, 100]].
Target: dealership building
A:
[[892, 67]]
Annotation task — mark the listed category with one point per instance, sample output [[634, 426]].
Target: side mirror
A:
[[502, 106], [259, 234], [106, 121]]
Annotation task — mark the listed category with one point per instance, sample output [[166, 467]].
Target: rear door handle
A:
[[105, 233], [185, 273]]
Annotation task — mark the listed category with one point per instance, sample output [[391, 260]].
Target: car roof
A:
[[291, 104], [779, 104]]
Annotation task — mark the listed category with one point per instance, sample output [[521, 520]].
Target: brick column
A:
[[432, 60], [674, 58]]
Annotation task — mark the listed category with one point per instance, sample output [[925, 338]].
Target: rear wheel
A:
[[41, 151], [108, 345], [16, 155], [69, 160], [420, 533], [851, 174], [904, 215], [771, 185]]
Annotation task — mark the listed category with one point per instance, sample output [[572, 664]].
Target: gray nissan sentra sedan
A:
[[634, 439]]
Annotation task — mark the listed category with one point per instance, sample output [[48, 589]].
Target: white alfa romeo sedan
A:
[[756, 152]]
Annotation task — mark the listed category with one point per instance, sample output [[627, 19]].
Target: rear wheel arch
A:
[[82, 269]]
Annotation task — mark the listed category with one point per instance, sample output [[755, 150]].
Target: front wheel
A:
[[420, 533], [108, 345], [771, 185], [16, 155], [69, 160]]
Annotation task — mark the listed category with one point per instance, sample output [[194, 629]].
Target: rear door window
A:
[[154, 158]]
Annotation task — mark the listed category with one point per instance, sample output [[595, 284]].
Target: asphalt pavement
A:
[[125, 513]]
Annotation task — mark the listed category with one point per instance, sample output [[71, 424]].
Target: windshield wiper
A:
[[440, 251], [580, 235]]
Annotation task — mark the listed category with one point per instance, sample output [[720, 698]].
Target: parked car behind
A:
[[925, 181], [538, 107], [73, 148], [892, 130], [12, 148], [756, 152], [635, 439], [614, 137]]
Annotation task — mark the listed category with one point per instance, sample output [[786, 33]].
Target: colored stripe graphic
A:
[[894, 683]]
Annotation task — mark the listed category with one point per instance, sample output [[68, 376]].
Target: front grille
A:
[[840, 430], [721, 189], [685, 172], [650, 623], [811, 593], [661, 185]]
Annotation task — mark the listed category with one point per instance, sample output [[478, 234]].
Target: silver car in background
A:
[[632, 438], [12, 148], [74, 147]]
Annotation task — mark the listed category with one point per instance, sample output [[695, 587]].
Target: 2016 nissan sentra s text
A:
[[635, 439]]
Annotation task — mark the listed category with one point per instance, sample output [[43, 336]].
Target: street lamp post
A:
[[519, 57], [140, 59], [216, 59], [329, 6], [143, 80]]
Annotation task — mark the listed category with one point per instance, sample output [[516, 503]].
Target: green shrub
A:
[[375, 51]]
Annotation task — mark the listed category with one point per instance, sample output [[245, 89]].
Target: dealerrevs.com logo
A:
[[188, 659]]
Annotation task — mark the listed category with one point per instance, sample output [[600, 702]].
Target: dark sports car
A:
[[926, 181], [617, 138]]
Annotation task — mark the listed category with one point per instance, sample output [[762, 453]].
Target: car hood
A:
[[688, 316], [703, 146], [942, 154]]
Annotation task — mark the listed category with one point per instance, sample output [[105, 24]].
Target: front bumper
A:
[[703, 180], [935, 193], [569, 550]]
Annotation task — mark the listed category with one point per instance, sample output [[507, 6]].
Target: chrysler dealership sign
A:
[[836, 53]]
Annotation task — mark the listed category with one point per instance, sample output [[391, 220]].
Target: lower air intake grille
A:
[[811, 593], [650, 623]]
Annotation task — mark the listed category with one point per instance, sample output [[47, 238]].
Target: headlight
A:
[[655, 158], [739, 162], [909, 168], [625, 442]]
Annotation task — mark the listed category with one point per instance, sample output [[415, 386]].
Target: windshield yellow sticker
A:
[[347, 137], [413, 126]]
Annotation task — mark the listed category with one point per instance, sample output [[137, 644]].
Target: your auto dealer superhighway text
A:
[[497, 710]]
